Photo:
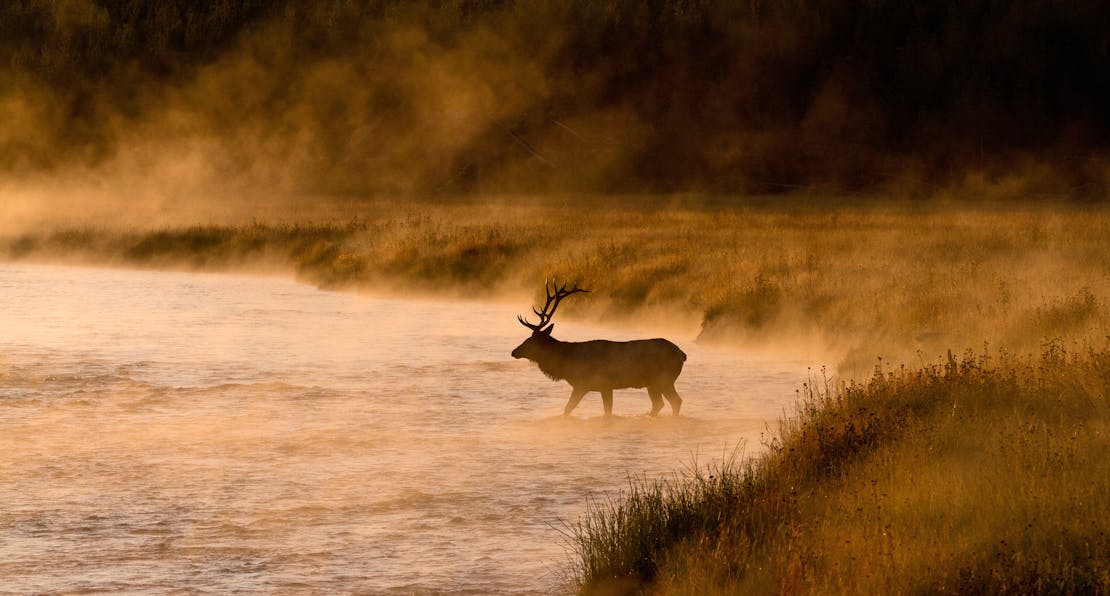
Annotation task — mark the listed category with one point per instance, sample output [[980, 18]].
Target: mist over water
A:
[[168, 430]]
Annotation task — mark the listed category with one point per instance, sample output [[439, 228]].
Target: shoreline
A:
[[854, 283]]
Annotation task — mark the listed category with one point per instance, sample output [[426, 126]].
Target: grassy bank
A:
[[903, 283], [985, 474]]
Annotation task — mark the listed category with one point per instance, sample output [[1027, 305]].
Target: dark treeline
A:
[[624, 95]]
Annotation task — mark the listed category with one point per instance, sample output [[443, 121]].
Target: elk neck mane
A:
[[554, 359]]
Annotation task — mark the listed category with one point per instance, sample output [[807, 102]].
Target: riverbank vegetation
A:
[[904, 283], [982, 474]]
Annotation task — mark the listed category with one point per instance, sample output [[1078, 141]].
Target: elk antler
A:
[[554, 295]]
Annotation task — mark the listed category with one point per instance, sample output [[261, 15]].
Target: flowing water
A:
[[164, 431]]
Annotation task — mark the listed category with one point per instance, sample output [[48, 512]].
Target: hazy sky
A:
[[477, 97]]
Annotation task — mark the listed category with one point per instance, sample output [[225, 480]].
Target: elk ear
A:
[[547, 331]]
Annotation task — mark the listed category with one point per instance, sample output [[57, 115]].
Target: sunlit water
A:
[[219, 433]]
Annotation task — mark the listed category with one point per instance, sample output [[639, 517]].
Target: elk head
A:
[[541, 332]]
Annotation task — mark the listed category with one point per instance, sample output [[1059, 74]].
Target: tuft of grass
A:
[[1067, 314], [194, 245], [747, 308], [980, 474]]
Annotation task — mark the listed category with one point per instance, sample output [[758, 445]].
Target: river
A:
[[163, 431]]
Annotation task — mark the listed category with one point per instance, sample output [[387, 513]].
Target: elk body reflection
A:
[[601, 365]]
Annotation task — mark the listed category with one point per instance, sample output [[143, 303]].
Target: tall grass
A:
[[985, 474], [862, 281]]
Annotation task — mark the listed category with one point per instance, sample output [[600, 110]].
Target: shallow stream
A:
[[220, 433]]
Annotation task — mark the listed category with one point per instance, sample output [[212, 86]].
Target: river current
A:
[[216, 433]]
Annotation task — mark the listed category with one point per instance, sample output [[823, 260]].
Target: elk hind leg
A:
[[672, 397], [656, 400], [575, 397]]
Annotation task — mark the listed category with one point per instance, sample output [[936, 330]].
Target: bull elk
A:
[[601, 365]]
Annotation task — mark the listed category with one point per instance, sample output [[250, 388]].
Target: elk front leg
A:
[[575, 397], [656, 400], [607, 401]]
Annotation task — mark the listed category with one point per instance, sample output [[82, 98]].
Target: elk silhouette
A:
[[601, 365]]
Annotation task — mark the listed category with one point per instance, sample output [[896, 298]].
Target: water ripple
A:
[[168, 432]]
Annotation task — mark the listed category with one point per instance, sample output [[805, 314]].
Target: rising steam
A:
[[177, 99]]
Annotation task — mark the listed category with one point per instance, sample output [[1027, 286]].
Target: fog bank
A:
[[387, 98]]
